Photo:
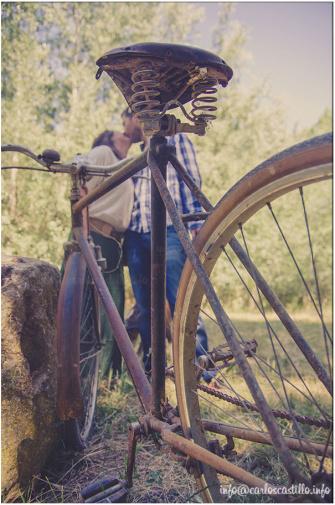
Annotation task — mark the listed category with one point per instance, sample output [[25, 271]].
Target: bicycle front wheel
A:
[[78, 332], [291, 362]]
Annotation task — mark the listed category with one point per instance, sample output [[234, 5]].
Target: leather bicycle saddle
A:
[[167, 70]]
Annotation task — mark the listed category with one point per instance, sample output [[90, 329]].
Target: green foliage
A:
[[268, 250], [51, 99], [323, 125]]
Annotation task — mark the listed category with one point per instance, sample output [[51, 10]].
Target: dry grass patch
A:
[[158, 478]]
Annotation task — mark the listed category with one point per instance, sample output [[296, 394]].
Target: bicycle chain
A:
[[282, 414]]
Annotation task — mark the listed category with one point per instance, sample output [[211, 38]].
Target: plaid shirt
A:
[[182, 196]]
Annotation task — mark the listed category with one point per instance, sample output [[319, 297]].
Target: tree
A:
[[51, 99], [249, 129]]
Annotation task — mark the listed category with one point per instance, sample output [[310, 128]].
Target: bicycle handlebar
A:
[[50, 165]]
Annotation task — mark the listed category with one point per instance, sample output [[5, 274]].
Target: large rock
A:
[[29, 425]]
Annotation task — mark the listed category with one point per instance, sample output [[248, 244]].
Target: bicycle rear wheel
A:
[[295, 389], [78, 332]]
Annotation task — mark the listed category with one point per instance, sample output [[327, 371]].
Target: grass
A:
[[158, 477], [262, 460]]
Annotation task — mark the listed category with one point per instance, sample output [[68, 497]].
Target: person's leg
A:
[[137, 250], [111, 359], [175, 259], [174, 265]]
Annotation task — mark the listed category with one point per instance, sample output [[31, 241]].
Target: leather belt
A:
[[104, 228]]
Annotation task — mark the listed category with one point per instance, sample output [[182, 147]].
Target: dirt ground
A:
[[157, 477]]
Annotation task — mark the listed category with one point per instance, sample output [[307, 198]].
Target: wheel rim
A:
[[209, 248]]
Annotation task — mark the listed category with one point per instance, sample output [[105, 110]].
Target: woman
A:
[[109, 218]]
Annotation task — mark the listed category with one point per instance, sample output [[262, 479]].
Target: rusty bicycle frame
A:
[[159, 416], [152, 396]]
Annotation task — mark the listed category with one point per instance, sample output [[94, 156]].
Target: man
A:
[[138, 235]]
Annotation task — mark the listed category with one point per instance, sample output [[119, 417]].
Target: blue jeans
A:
[[137, 251]]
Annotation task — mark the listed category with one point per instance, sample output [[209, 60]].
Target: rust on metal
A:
[[134, 434], [271, 297], [69, 399], [158, 277], [77, 219], [175, 65], [307, 446], [218, 354], [196, 216], [282, 414], [131, 168], [228, 330], [205, 456], [135, 370]]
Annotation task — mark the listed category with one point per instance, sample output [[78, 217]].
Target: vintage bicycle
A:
[[281, 384]]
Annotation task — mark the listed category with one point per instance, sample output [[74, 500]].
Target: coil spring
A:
[[144, 101], [201, 108]]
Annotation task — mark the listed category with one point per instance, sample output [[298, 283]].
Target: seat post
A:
[[157, 156]]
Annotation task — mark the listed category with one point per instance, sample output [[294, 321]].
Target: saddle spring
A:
[[203, 99], [145, 102]]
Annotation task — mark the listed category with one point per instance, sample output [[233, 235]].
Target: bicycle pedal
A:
[[108, 490]]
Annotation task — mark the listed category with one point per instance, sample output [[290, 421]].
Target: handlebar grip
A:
[[49, 156]]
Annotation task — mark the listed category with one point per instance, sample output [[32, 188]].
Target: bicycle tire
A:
[[78, 315], [302, 164]]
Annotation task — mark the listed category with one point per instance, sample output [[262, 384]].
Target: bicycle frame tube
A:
[[272, 298], [135, 369], [158, 279], [111, 182], [79, 217], [227, 329]]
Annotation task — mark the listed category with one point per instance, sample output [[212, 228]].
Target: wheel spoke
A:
[[88, 356], [324, 455], [298, 269], [254, 355], [259, 358], [316, 280], [284, 317], [291, 377], [288, 403], [223, 411], [86, 315], [223, 377]]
